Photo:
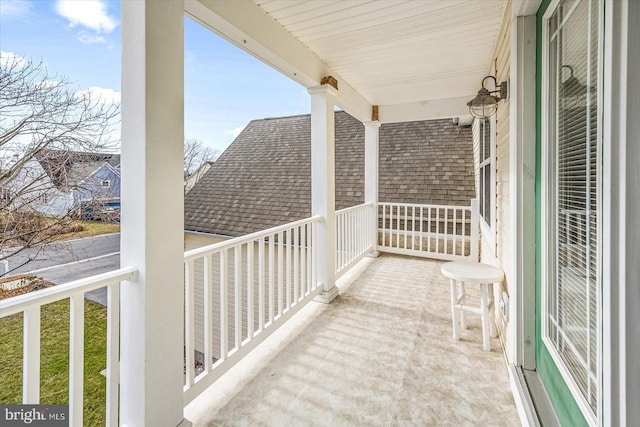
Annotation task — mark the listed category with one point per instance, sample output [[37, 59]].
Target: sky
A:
[[225, 87]]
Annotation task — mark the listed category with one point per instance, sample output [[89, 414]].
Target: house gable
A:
[[264, 178]]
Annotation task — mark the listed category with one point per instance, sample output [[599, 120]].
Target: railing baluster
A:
[[303, 260], [113, 353], [346, 249], [429, 229], [288, 268], [354, 237], [314, 256], [398, 227], [250, 305], [384, 219], [463, 232], [224, 345], [271, 278], [455, 231], [413, 228], [261, 284], [339, 245], [360, 231], [189, 321], [280, 272], [207, 301], [76, 360], [446, 230], [437, 229], [310, 242], [237, 289], [31, 356], [296, 265], [421, 226], [406, 224]]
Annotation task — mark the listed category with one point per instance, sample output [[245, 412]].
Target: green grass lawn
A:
[[91, 228], [54, 360]]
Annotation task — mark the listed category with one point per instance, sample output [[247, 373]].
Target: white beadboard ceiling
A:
[[397, 52]]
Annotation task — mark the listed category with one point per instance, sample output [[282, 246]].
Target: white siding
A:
[[499, 253]]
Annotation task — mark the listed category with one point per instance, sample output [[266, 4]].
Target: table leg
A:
[[484, 305], [463, 317], [454, 310]]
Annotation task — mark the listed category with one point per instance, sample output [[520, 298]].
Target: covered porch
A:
[[379, 350], [380, 354]]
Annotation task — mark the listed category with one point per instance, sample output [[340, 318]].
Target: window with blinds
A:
[[573, 294], [486, 186]]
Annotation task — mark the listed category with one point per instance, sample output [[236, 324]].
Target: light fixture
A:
[[574, 94], [485, 104], [572, 86]]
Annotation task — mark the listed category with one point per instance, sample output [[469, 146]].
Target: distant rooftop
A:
[[68, 168]]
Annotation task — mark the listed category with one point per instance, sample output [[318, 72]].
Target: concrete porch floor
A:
[[380, 354]]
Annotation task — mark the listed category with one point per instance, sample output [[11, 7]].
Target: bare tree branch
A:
[[46, 122]]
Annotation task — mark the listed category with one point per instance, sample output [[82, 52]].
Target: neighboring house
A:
[[57, 182], [263, 179], [191, 180]]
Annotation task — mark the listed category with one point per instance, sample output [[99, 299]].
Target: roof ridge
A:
[[294, 116]]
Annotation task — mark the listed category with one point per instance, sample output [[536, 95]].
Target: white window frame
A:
[[108, 181], [488, 229], [547, 219]]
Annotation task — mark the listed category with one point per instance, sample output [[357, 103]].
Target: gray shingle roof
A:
[[66, 167], [264, 178]]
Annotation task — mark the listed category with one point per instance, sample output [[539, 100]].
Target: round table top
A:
[[472, 272]]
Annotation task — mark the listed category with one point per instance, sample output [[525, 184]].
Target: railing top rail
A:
[[205, 250], [425, 206], [20, 303], [353, 208]]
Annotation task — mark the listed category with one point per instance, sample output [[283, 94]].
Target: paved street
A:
[[63, 262], [65, 252]]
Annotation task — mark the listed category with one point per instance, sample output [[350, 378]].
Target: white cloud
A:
[[86, 38], [100, 94], [9, 58], [91, 14], [234, 132], [15, 8]]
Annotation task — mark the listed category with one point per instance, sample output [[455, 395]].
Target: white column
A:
[[152, 319], [371, 142], [323, 183]]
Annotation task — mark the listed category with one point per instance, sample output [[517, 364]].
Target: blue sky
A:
[[225, 87]]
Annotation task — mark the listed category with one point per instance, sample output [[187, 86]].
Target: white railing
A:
[[432, 231], [353, 235], [30, 305], [239, 291]]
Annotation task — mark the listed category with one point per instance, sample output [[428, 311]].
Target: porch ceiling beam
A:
[[425, 110], [247, 26]]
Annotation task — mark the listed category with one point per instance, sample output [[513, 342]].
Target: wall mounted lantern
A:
[[485, 103], [572, 92]]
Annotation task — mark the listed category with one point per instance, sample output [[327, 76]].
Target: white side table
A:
[[469, 272]]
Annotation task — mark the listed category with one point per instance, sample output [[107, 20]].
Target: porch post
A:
[[323, 186], [151, 361], [371, 140]]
